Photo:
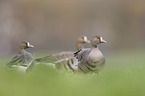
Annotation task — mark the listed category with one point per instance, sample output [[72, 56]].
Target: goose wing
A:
[[55, 57], [81, 54], [24, 60]]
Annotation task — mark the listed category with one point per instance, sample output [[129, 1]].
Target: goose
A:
[[91, 59], [23, 59], [66, 54], [58, 60]]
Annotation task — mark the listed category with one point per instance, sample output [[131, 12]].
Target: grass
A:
[[123, 75]]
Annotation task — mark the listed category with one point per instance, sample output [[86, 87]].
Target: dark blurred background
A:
[[55, 24]]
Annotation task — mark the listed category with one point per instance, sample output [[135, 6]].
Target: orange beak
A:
[[87, 41], [30, 46]]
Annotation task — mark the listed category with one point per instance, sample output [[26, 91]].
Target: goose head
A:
[[83, 39], [96, 40], [80, 41], [25, 45]]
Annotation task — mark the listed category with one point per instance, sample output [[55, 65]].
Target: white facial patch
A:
[[28, 43], [85, 38], [101, 39]]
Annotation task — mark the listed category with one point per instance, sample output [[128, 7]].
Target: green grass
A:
[[123, 75]]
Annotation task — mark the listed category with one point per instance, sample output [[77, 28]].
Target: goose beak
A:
[[30, 46], [103, 41], [87, 41]]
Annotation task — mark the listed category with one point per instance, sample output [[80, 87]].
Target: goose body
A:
[[90, 60], [22, 60]]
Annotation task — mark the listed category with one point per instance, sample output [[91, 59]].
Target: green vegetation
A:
[[123, 75]]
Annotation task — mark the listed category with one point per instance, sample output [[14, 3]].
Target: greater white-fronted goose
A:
[[59, 60], [22, 60], [66, 54], [91, 59]]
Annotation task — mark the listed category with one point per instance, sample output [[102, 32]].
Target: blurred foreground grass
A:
[[123, 75]]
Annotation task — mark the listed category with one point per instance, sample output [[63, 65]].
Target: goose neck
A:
[[94, 47], [21, 51], [79, 46]]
